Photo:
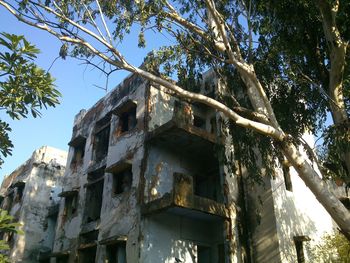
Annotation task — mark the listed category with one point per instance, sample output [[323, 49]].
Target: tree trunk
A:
[[319, 188]]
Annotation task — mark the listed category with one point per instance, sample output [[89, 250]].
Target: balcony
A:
[[183, 201], [191, 127]]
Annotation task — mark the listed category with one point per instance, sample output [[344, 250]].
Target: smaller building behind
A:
[[30, 195]]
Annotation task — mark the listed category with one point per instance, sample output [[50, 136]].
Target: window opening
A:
[[287, 177], [207, 185], [199, 122], [127, 119], [300, 251], [101, 143], [101, 140], [87, 255], [299, 246], [122, 180], [116, 253], [71, 205], [19, 192], [79, 153], [93, 202]]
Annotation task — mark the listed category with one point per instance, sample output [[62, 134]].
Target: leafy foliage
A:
[[334, 248], [7, 226], [336, 142], [284, 40], [25, 88]]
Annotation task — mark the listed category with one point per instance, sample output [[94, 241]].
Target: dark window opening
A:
[[87, 255], [203, 254], [287, 178], [101, 143], [71, 206], [101, 138], [62, 259], [89, 237], [19, 192], [122, 181], [79, 153], [127, 119], [207, 185], [199, 122], [93, 202], [116, 253], [300, 251]]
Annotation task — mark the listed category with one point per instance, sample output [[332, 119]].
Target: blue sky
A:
[[74, 81]]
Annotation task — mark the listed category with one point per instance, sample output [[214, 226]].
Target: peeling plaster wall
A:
[[119, 213], [162, 164], [161, 108]]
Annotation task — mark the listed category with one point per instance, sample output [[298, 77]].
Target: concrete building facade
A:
[[149, 178], [30, 195]]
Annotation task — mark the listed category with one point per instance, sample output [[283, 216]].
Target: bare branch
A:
[[104, 22]]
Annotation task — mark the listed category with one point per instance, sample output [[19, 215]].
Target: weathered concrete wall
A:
[[298, 213], [119, 216], [171, 238], [161, 108], [262, 222]]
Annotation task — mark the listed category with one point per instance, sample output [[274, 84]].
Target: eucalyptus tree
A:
[[312, 43], [25, 88], [259, 99]]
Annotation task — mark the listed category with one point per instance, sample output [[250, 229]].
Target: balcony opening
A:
[[101, 139], [93, 202], [127, 117], [116, 252], [122, 180]]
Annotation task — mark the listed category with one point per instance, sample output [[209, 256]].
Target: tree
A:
[[6, 226], [25, 88], [334, 248], [229, 37]]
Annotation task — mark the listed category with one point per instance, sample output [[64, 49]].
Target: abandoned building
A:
[[145, 183], [148, 179], [30, 195]]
